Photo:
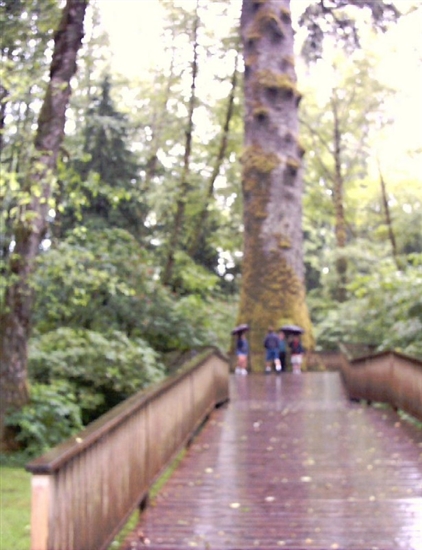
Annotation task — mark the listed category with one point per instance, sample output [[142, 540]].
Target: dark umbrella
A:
[[240, 328], [292, 329]]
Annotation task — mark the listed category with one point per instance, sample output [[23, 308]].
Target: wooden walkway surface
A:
[[290, 463]]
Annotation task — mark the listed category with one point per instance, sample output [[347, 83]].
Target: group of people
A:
[[275, 352]]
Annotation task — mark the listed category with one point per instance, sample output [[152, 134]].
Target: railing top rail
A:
[[364, 358], [54, 459]]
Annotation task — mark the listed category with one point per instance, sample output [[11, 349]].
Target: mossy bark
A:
[[273, 289]]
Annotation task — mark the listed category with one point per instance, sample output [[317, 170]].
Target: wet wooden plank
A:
[[291, 463]]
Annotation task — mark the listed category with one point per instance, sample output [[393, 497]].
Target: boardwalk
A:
[[290, 463]]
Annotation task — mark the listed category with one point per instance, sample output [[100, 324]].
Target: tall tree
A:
[[24, 65], [31, 220], [108, 170], [184, 180], [338, 130], [273, 289], [201, 218]]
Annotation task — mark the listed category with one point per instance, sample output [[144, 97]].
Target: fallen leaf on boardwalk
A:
[[335, 546], [305, 479], [209, 470], [235, 505], [309, 541], [269, 499], [281, 543], [372, 498]]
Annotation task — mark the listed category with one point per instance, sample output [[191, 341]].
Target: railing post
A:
[[40, 511]]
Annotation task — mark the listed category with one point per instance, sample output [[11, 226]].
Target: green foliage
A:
[[78, 281], [385, 310], [52, 415], [191, 278], [103, 281], [108, 192], [100, 369]]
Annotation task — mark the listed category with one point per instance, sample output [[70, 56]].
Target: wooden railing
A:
[[386, 377], [84, 490]]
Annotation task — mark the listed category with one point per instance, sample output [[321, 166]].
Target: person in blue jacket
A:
[[271, 344]]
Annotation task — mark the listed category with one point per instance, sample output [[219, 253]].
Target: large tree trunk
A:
[[273, 289], [31, 224]]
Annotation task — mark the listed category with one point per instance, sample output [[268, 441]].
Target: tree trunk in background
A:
[[340, 221], [31, 223], [184, 184], [201, 219], [157, 127], [388, 220], [273, 289]]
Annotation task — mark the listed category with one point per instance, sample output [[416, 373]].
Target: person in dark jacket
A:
[[242, 350], [282, 349], [296, 354], [271, 344]]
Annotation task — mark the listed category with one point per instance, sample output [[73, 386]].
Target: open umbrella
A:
[[240, 328], [292, 329]]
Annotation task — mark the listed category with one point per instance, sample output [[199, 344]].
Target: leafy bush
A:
[[52, 415], [102, 281], [385, 310], [101, 369]]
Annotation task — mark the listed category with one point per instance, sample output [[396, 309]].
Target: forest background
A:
[[104, 321]]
